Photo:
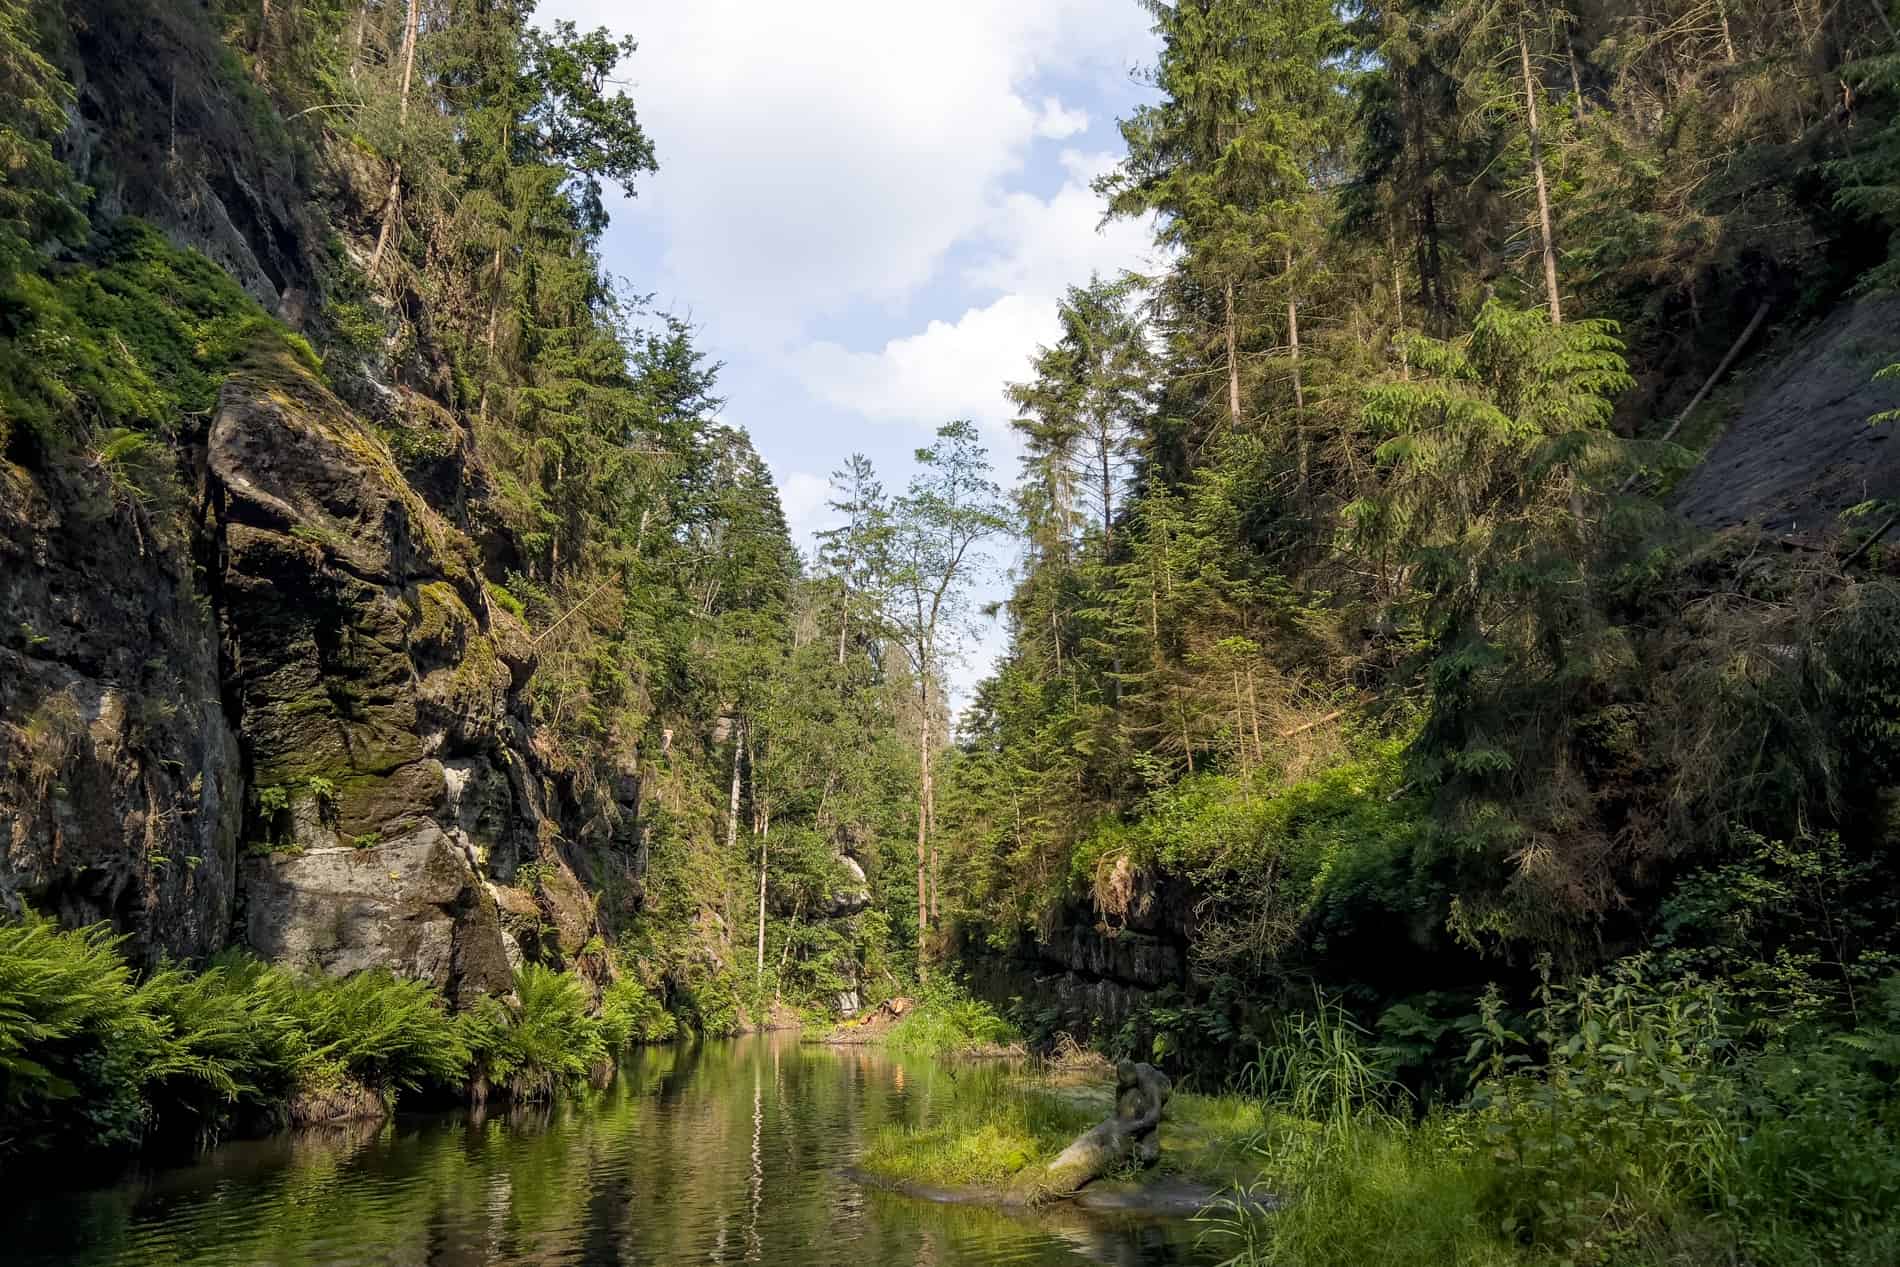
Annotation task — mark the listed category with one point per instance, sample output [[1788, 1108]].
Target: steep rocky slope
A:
[[1799, 450]]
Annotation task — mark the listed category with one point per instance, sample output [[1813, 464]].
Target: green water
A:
[[715, 1153]]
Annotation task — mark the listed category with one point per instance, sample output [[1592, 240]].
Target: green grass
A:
[[1376, 1191], [948, 1022], [984, 1126], [987, 1126]]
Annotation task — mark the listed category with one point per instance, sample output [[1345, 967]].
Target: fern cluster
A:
[[92, 1056]]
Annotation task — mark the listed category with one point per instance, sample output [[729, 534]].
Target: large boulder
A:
[[413, 906]]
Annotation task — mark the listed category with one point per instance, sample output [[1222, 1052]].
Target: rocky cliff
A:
[[258, 690]]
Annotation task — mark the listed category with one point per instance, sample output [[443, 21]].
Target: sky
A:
[[869, 210]]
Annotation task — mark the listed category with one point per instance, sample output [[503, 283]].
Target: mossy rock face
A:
[[121, 780], [366, 664]]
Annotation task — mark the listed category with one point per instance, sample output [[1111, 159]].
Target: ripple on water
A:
[[713, 1153]]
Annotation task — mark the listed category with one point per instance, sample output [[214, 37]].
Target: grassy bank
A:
[[988, 1126], [1628, 1120], [1631, 1122], [92, 1056]]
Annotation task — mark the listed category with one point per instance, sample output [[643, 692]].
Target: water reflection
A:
[[718, 1152]]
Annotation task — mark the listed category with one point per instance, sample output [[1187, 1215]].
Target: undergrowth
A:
[[92, 1057], [1630, 1126], [948, 1021]]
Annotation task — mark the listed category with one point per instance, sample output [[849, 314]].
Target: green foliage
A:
[[1630, 1117], [39, 199], [713, 1006], [388, 1033], [947, 1021], [73, 1039], [1321, 1069], [138, 337], [629, 1013], [543, 1039]]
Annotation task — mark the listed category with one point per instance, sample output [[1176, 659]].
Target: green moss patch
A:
[[139, 335]]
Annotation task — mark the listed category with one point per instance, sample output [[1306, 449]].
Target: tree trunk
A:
[[392, 206], [1537, 166], [494, 312], [732, 802], [923, 827], [1398, 311], [1299, 389], [1233, 362], [762, 874], [262, 57]]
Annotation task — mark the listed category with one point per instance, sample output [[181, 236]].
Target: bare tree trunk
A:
[[732, 802], [1299, 389], [1728, 40], [393, 205], [763, 835], [1576, 78], [1537, 165], [923, 828], [494, 312], [262, 56], [356, 50], [1253, 711], [1233, 362]]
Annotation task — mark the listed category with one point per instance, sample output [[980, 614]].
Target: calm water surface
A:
[[719, 1153]]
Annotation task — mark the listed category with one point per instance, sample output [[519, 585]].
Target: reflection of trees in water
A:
[[698, 1153]]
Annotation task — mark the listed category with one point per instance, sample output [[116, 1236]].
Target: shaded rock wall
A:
[[1088, 979], [121, 781], [1800, 451]]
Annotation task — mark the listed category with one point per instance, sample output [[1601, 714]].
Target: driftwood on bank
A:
[[1131, 1134]]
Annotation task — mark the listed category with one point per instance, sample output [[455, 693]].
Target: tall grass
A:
[[947, 1021], [1627, 1129]]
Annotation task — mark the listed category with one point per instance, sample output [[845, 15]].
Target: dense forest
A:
[[1452, 644]]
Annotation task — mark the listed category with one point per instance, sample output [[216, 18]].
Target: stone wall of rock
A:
[[121, 780]]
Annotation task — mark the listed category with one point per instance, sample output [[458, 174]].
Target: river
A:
[[720, 1152]]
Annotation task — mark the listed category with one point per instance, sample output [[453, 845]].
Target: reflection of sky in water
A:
[[721, 1152]]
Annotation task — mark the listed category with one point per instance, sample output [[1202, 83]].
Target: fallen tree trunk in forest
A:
[[1131, 1134]]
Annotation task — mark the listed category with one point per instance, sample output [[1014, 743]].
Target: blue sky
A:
[[869, 208]]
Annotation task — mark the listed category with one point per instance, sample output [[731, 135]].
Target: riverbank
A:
[[94, 1058], [992, 1128]]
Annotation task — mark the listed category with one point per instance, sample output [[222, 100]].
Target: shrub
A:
[[947, 1021], [74, 1042], [629, 1013], [544, 1040], [387, 1033], [230, 1040]]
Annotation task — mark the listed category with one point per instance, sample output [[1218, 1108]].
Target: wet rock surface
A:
[[413, 906]]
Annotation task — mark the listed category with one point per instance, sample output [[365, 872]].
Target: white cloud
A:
[[805, 499], [948, 370], [821, 155], [957, 369], [1059, 123]]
